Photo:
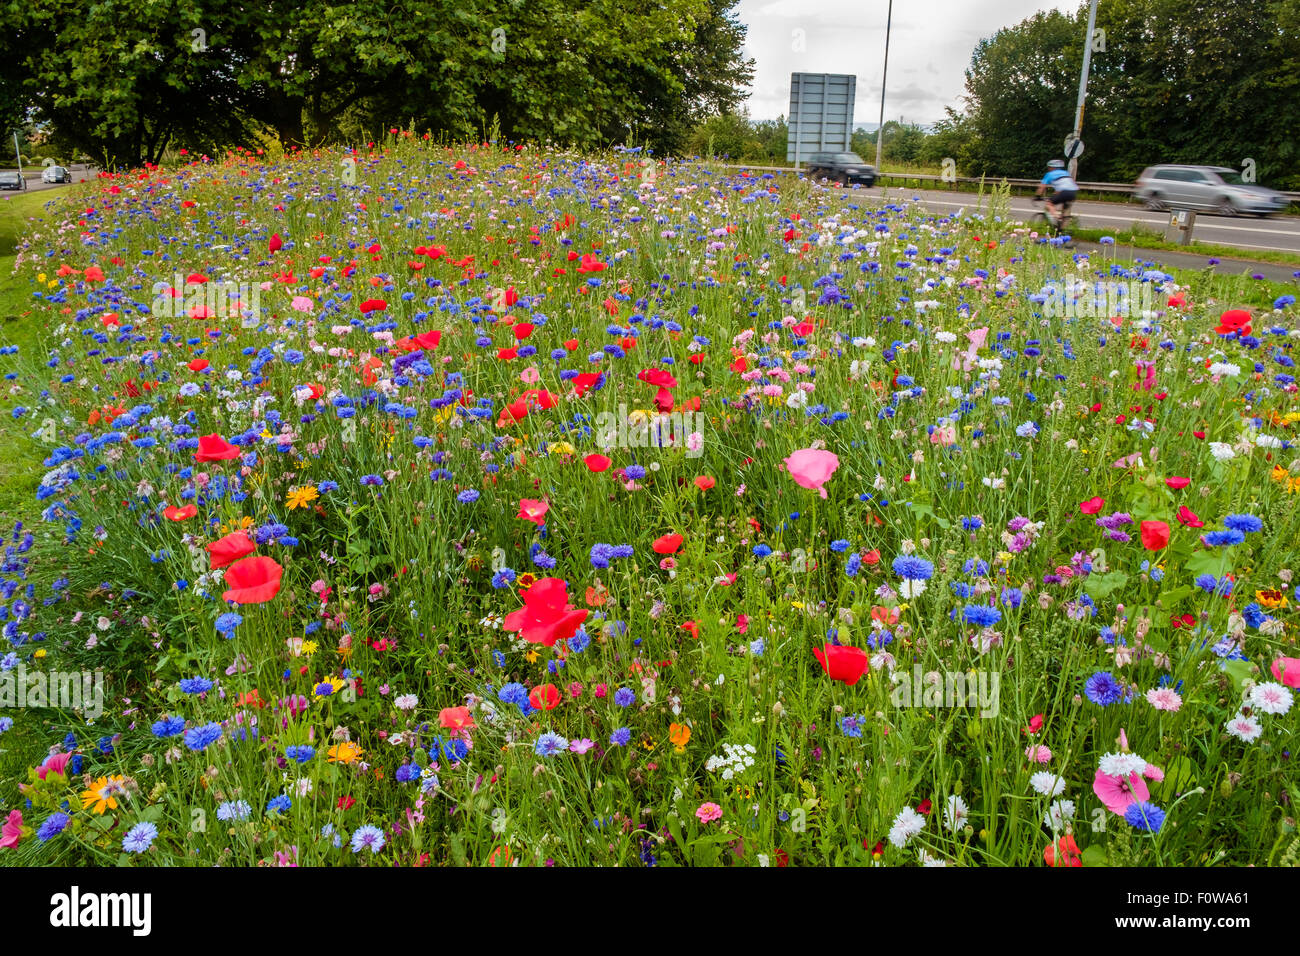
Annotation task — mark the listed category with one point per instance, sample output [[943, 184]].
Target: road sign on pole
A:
[[1073, 147], [821, 114]]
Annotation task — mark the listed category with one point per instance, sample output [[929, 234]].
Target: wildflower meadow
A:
[[493, 505]]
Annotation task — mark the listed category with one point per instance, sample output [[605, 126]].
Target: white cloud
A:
[[930, 46]]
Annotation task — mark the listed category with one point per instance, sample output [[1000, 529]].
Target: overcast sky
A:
[[930, 46]]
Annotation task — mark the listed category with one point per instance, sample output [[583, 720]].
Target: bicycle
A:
[[1065, 224]]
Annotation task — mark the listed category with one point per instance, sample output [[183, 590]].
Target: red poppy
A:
[[429, 340], [1188, 518], [215, 448], [925, 807], [511, 298], [545, 697], [1069, 853], [668, 544], [658, 377], [198, 365], [1234, 321], [1035, 725], [1177, 483], [373, 305], [1092, 505], [1155, 535], [547, 616], [346, 803], [534, 511], [523, 330], [584, 381], [276, 243], [94, 274], [842, 663], [253, 580], [180, 514], [230, 549], [872, 556], [456, 718], [690, 627], [704, 482], [1182, 620], [597, 463]]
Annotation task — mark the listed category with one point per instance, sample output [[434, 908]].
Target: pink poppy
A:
[[1287, 671], [811, 468]]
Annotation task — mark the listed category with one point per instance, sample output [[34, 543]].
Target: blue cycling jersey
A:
[[1060, 180]]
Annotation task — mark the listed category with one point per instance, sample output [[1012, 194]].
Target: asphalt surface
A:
[[1276, 233], [34, 184]]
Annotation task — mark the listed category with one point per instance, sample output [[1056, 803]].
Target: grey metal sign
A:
[[821, 114]]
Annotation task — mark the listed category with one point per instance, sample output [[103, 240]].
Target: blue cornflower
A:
[[579, 642], [549, 744], [408, 772], [624, 697], [503, 578], [54, 824], [227, 623], [468, 496], [139, 838], [280, 804], [234, 810], [620, 737], [368, 837], [839, 546], [1103, 689], [169, 727], [1144, 816], [853, 564], [300, 753], [196, 685], [757, 647], [981, 615], [200, 738], [1244, 523], [761, 551], [851, 725], [913, 568], [371, 480], [1224, 538]]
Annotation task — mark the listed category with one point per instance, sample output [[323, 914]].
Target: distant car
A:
[[56, 174], [843, 168], [1216, 189], [12, 181]]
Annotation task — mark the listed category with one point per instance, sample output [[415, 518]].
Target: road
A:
[[33, 176], [1277, 233]]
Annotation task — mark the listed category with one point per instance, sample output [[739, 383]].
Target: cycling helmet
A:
[[1056, 164]]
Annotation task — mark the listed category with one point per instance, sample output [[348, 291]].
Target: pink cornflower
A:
[[708, 812], [1164, 698], [1038, 753]]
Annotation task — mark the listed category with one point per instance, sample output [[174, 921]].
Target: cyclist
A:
[[1064, 189]]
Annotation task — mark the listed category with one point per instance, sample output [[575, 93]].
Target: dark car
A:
[[843, 168], [56, 174], [13, 181]]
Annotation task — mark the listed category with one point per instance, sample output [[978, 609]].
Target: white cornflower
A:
[[907, 824], [1244, 728], [1121, 765], [1047, 783], [1059, 814], [954, 816], [1271, 698], [406, 702], [1222, 451]]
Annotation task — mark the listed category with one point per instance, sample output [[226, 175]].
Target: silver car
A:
[[1215, 189]]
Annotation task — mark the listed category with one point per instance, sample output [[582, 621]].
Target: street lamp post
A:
[[880, 130], [1083, 86]]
